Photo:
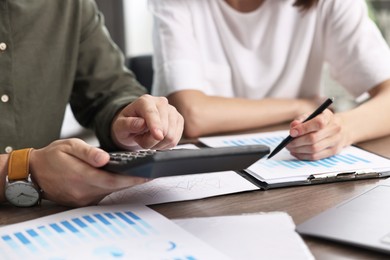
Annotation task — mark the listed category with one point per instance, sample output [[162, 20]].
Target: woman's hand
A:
[[318, 138]]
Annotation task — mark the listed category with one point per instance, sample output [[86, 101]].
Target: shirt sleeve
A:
[[177, 64], [358, 55], [102, 85]]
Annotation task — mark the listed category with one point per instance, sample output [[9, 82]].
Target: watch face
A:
[[22, 194]]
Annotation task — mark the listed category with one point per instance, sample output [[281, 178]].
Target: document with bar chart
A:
[[285, 170], [103, 232]]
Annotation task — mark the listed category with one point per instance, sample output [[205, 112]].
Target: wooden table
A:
[[301, 203]]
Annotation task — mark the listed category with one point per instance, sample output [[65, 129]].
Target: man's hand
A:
[[68, 173], [318, 138], [149, 122]]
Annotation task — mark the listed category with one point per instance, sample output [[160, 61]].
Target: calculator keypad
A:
[[130, 155]]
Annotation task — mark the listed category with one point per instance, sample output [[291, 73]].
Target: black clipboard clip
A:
[[343, 176], [319, 178]]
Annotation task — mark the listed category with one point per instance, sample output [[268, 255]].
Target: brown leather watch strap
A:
[[18, 164]]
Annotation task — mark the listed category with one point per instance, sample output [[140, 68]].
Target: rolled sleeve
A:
[[176, 76], [103, 85], [177, 62]]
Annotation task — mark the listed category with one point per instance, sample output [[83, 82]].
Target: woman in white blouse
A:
[[230, 65]]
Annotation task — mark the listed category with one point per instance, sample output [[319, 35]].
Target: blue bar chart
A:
[[271, 141], [96, 235], [284, 166], [329, 163], [291, 163]]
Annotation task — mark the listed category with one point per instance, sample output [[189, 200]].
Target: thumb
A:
[[99, 157], [301, 118], [89, 154], [298, 120]]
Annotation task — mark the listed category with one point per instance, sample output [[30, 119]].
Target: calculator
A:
[[161, 163]]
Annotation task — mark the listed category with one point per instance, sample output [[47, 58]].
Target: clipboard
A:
[[283, 170], [317, 178]]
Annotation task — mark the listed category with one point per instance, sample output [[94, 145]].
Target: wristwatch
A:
[[19, 189]]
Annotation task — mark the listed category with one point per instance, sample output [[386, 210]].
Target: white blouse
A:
[[275, 51]]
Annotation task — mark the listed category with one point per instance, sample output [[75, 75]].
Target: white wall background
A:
[[138, 27]]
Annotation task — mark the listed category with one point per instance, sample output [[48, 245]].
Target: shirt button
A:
[[3, 46], [8, 149], [4, 98]]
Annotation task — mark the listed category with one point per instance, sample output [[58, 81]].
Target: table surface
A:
[[301, 203]]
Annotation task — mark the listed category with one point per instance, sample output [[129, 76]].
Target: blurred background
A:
[[379, 11], [130, 26]]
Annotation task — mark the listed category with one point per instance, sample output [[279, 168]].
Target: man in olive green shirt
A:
[[55, 52]]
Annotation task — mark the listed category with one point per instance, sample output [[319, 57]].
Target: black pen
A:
[[289, 138]]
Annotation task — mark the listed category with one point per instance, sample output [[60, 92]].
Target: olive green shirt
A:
[[55, 52]]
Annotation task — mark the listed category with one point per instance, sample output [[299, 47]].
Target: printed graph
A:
[[331, 162], [103, 235], [291, 163], [283, 165], [272, 141]]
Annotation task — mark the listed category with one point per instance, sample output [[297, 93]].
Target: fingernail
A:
[[99, 157], [293, 133], [161, 133]]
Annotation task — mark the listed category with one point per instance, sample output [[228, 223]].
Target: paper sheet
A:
[[284, 167], [181, 188], [384, 182], [109, 232], [255, 236]]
